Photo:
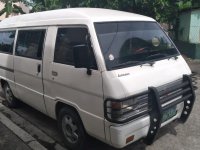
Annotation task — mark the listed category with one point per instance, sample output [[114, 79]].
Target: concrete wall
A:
[[189, 49], [184, 26], [195, 27], [189, 34]]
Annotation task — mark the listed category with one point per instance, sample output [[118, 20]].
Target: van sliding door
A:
[[28, 67]]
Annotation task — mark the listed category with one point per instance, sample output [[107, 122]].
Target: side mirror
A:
[[82, 57]]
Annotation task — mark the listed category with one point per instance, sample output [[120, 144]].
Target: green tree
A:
[[10, 7], [43, 5], [164, 11], [71, 3], [161, 10]]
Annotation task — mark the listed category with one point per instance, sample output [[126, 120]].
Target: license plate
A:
[[169, 113]]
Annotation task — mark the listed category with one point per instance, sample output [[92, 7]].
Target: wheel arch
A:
[[60, 105], [3, 82]]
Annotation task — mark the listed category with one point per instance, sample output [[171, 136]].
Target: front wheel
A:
[[10, 99], [72, 129]]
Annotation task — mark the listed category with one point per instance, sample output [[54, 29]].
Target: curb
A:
[[23, 135]]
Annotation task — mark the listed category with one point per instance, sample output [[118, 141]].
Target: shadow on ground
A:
[[49, 126]]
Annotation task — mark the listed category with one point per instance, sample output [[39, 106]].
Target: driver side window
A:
[[67, 38]]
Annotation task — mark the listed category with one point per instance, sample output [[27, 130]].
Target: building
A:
[[24, 8], [189, 33], [189, 27]]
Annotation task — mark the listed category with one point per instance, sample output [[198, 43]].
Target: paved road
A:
[[9, 141], [174, 136]]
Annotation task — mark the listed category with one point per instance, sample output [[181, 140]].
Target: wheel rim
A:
[[8, 94], [70, 129]]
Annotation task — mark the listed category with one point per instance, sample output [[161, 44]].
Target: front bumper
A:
[[139, 129], [181, 95]]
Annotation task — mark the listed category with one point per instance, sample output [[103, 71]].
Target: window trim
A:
[[13, 45], [74, 26], [33, 29]]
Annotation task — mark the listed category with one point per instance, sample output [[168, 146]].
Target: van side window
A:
[[66, 39], [6, 41], [30, 43]]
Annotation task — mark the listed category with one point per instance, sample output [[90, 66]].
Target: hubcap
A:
[[8, 94], [70, 129]]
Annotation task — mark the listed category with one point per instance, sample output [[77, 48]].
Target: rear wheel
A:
[[72, 129], [10, 99]]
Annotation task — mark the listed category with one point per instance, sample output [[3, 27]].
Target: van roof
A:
[[53, 16]]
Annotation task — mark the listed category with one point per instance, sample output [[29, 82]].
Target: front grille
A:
[[165, 97], [174, 91], [152, 102]]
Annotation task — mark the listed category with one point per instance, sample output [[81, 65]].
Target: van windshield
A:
[[126, 44]]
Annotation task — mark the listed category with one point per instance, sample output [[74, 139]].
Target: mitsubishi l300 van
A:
[[113, 75]]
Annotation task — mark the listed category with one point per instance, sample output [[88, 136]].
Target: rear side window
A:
[[30, 43], [7, 41], [67, 38]]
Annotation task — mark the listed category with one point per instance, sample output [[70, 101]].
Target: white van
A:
[[109, 74]]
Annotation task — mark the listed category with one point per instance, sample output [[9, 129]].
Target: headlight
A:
[[121, 111]]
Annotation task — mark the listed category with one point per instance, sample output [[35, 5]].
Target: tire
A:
[[10, 99], [72, 130]]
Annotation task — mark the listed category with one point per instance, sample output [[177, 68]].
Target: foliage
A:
[[10, 7], [161, 10], [43, 5], [71, 3]]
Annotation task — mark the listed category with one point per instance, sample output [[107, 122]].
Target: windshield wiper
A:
[[150, 60], [141, 63], [148, 63], [174, 57], [161, 54], [157, 55], [127, 63]]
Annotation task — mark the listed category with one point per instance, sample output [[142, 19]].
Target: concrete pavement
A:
[[194, 65], [9, 141]]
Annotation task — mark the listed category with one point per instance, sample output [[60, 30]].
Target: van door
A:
[[72, 86], [28, 67]]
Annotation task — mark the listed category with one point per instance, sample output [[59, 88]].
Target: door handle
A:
[[39, 68], [54, 73]]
